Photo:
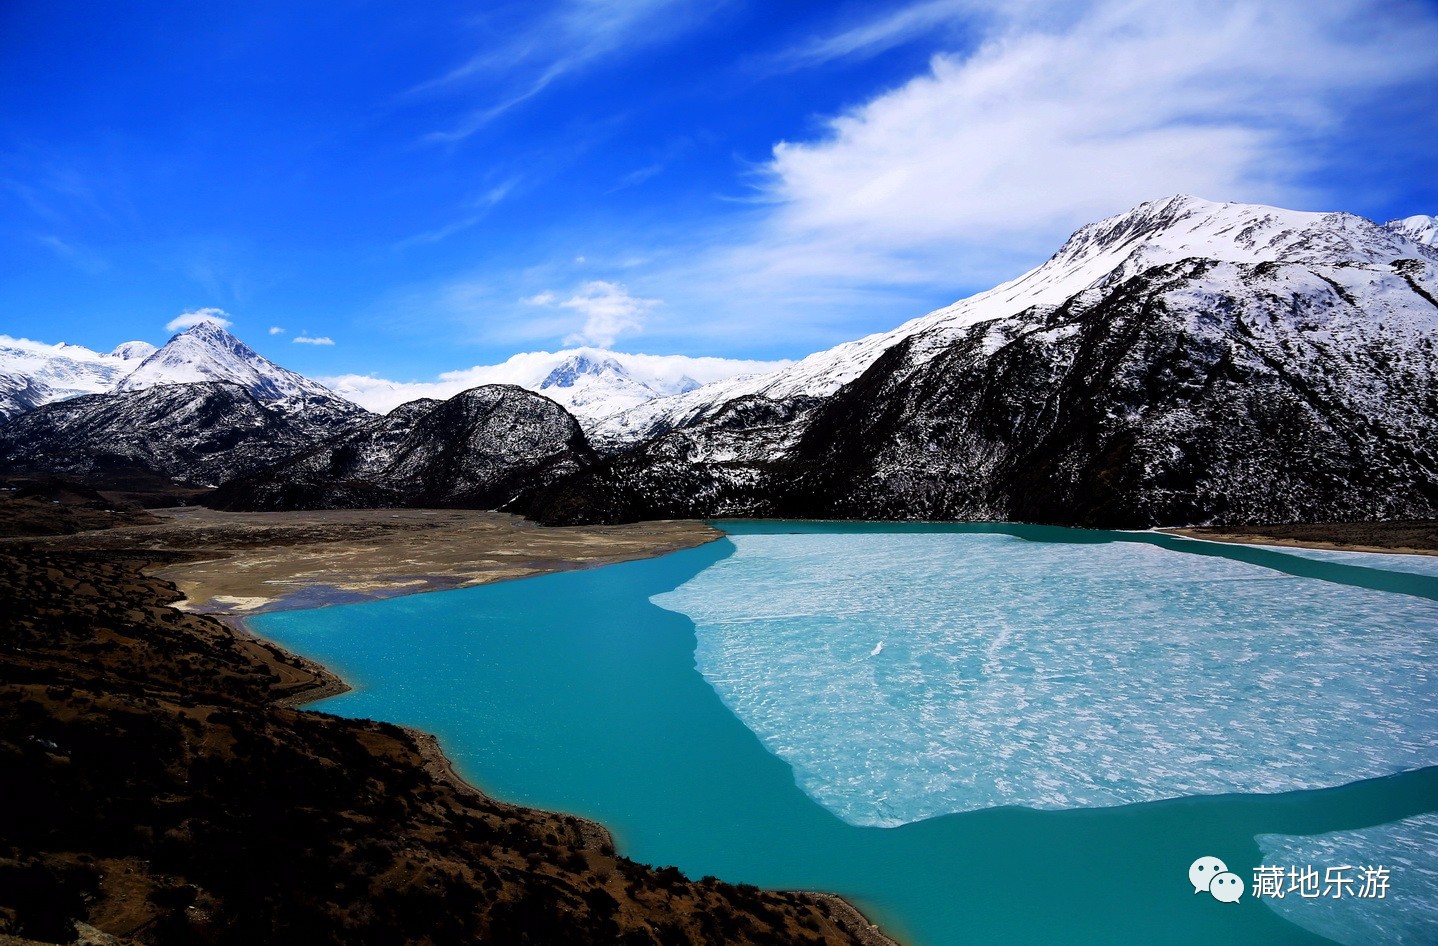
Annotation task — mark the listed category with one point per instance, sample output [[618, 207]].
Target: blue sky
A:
[[432, 186]]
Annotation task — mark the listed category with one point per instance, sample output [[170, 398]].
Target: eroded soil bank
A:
[[160, 792]]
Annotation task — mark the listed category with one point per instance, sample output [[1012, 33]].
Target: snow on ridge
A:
[[207, 352], [1153, 233], [34, 373], [591, 383], [1420, 228]]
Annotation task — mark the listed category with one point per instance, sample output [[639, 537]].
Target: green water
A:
[[572, 691]]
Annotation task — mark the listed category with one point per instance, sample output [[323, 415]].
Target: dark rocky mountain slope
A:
[[199, 434], [1203, 364], [480, 449]]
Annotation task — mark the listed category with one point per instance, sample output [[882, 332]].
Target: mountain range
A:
[[590, 383], [1186, 361]]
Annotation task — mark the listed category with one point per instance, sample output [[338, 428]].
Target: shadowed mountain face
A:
[[1184, 362], [1285, 370], [199, 434], [1280, 401], [480, 449]]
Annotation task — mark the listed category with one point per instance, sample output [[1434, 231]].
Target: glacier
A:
[[1054, 675]]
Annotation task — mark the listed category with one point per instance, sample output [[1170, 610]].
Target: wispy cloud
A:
[[276, 330], [1030, 119], [312, 340], [480, 207], [74, 254], [1062, 113], [197, 317], [608, 309], [572, 36], [929, 20]]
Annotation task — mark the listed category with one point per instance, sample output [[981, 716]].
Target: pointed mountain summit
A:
[[593, 383], [1098, 255], [207, 352], [1184, 362]]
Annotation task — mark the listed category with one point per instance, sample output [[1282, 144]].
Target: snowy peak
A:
[[34, 373], [1182, 227], [133, 351], [592, 383], [1097, 255], [1420, 228], [206, 352], [580, 365]]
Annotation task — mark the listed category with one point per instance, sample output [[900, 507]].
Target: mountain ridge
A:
[[1209, 363], [1100, 250], [1184, 362]]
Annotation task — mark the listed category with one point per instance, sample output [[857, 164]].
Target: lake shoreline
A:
[[844, 914], [220, 552], [1407, 537]]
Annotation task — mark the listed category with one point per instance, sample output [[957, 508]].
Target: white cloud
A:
[[529, 369], [1034, 118], [312, 340], [276, 330], [988, 156], [608, 309], [81, 258], [197, 316]]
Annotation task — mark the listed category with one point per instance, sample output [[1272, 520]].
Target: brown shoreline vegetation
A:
[[161, 788], [1413, 537]]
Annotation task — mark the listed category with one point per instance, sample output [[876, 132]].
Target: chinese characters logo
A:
[[1211, 875]]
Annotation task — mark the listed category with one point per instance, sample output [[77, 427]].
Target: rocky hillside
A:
[[1184, 362], [197, 434], [480, 449], [158, 794]]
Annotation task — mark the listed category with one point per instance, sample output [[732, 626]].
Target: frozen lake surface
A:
[[979, 734]]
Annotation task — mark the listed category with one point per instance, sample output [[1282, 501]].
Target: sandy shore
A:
[[247, 563], [1408, 537]]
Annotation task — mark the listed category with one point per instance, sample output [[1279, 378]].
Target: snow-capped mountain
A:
[[1186, 361], [207, 352], [1097, 255], [134, 351], [34, 373], [1420, 228], [591, 383]]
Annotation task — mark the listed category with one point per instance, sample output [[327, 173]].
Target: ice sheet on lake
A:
[[1055, 675], [1388, 561], [1409, 911]]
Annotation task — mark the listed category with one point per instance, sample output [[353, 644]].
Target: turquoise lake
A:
[[976, 733]]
